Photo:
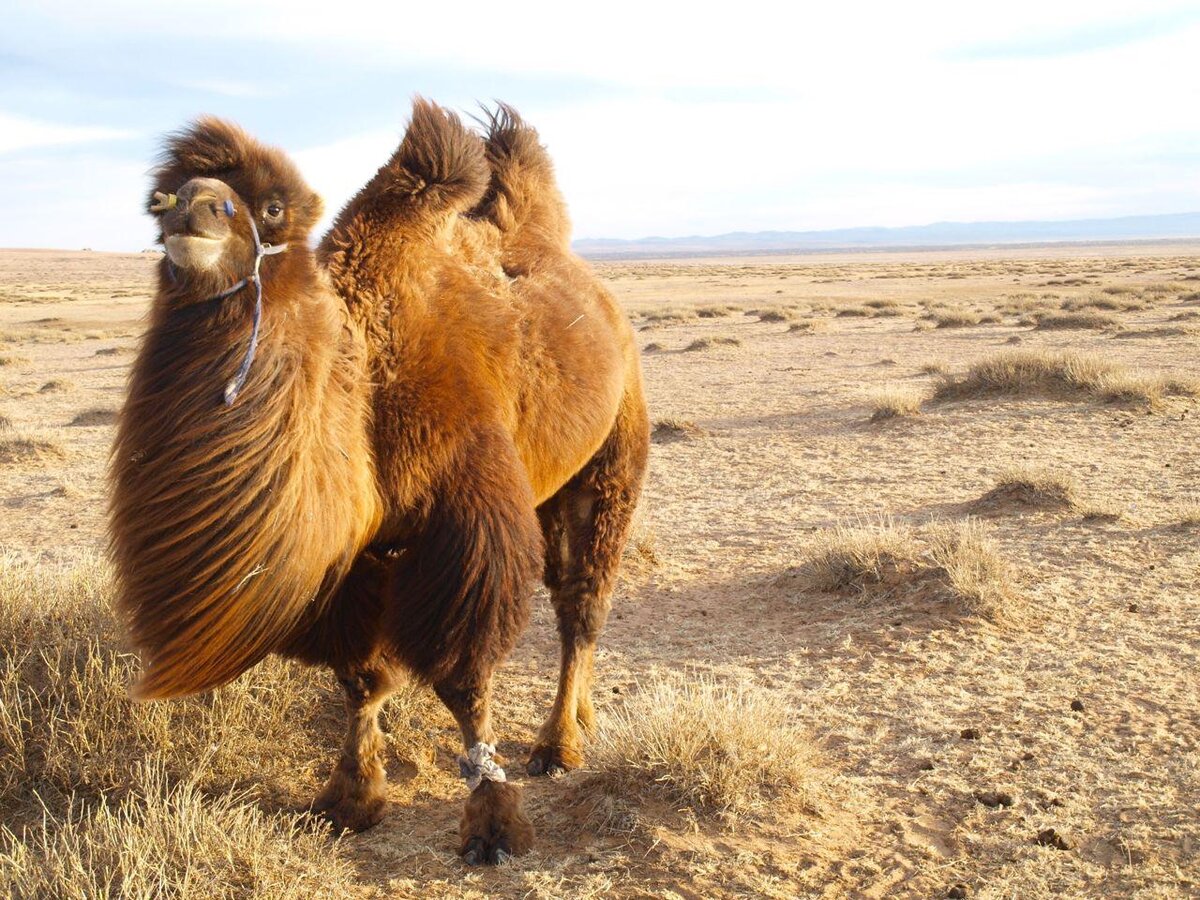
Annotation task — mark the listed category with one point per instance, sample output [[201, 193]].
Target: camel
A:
[[363, 457]]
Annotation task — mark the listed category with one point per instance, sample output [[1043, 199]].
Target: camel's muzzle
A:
[[197, 222]]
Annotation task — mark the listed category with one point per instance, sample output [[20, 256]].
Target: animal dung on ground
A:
[[995, 799]]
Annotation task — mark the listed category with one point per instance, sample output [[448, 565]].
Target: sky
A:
[[747, 116]]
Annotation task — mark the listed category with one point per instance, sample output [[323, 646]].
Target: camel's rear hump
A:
[[522, 199]]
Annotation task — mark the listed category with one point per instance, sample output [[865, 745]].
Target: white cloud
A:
[[75, 201], [227, 88], [337, 170], [18, 133], [757, 116]]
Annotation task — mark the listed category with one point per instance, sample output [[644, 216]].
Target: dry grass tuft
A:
[[775, 315], [640, 556], [95, 416], [1077, 320], [715, 312], [977, 575], [167, 840], [954, 318], [1188, 514], [1033, 486], [707, 343], [953, 561], [808, 326], [895, 402], [96, 786], [724, 749], [1100, 512], [653, 347], [1017, 372], [57, 386], [23, 448], [862, 312], [5, 423], [857, 557], [1103, 301], [1157, 331], [669, 430], [669, 316]]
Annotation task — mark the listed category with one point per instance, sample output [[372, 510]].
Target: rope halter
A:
[[162, 203], [235, 385], [477, 766]]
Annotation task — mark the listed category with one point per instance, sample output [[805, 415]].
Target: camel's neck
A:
[[229, 520]]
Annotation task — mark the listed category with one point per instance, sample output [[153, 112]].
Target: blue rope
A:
[[235, 385]]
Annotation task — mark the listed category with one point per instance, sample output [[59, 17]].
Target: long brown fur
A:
[[441, 369], [226, 522]]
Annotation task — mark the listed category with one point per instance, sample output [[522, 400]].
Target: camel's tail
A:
[[522, 198]]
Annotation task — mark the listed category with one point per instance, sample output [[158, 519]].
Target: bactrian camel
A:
[[362, 457]]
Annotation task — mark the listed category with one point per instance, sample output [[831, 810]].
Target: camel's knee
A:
[[582, 611]]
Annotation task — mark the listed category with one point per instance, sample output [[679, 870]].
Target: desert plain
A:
[[911, 609]]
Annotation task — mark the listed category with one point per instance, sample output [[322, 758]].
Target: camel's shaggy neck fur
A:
[[229, 522]]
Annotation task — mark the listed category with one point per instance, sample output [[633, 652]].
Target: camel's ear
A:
[[309, 211]]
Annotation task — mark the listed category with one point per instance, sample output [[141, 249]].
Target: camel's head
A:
[[212, 180]]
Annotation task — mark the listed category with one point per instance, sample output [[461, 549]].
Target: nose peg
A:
[[163, 202]]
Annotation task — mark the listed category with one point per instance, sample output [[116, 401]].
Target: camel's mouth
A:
[[195, 251]]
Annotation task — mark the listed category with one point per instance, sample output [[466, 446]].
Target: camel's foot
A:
[[554, 756], [494, 826], [353, 801]]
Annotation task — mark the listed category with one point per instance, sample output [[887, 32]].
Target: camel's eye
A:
[[273, 211]]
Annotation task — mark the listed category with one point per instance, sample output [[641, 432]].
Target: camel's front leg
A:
[[355, 795], [493, 825]]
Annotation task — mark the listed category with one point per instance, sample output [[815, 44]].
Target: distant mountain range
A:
[[939, 234]]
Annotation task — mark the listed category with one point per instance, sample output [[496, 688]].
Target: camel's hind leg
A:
[[586, 525]]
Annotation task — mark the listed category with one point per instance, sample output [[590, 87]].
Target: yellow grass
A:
[[979, 578], [24, 448], [895, 402], [95, 416], [172, 840], [1034, 486], [808, 326], [1017, 372], [707, 343], [667, 430], [957, 560], [725, 749], [96, 789], [1080, 319], [955, 318]]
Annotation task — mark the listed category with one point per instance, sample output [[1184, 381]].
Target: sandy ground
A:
[[784, 449]]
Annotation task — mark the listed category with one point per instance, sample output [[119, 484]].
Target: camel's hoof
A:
[[494, 827], [551, 759], [352, 816], [352, 803], [479, 853]]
